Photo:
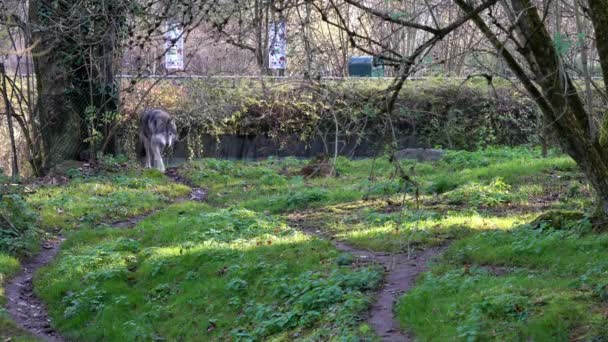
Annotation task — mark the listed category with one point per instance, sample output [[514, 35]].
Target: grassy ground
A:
[[192, 270], [86, 202], [518, 284], [369, 207], [89, 201], [236, 269], [499, 280]]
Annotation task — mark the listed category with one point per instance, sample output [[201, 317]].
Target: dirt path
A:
[[196, 193], [26, 309], [400, 273]]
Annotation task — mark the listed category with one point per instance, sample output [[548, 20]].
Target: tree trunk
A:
[[60, 122], [568, 115], [556, 94], [71, 75], [60, 125], [11, 131], [599, 16]]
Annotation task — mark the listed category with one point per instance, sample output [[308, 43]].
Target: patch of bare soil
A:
[[26, 309], [319, 166], [401, 271], [196, 194]]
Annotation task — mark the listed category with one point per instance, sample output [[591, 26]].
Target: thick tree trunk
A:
[[599, 16], [568, 116], [60, 125], [71, 75], [555, 94]]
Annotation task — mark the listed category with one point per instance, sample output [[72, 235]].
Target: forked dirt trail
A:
[[26, 309], [400, 273]]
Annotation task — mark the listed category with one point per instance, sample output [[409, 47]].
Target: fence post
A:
[[9, 121]]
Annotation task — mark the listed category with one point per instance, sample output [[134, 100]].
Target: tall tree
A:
[[518, 30], [74, 50], [548, 82]]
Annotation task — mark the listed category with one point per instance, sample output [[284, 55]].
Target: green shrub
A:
[[444, 113], [476, 194], [18, 230]]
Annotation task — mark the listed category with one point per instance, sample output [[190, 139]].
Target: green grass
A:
[[89, 201], [479, 306], [462, 193], [472, 198], [400, 233], [518, 284], [192, 272], [493, 282], [84, 202], [274, 185], [261, 186], [237, 269]]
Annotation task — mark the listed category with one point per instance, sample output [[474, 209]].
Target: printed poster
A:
[[277, 45], [174, 47]]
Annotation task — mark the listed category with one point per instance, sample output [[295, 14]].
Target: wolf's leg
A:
[[158, 158], [161, 163], [147, 146]]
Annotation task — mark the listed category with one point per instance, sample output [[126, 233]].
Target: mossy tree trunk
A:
[[72, 74], [598, 9], [552, 88]]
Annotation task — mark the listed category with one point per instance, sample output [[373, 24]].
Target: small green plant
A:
[[301, 199], [497, 192]]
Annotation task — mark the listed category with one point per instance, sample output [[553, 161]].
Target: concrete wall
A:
[[232, 146]]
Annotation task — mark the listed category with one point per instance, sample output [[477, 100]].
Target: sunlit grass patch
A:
[[481, 306], [565, 252], [555, 288], [275, 185], [530, 190], [397, 232], [514, 170], [90, 201], [191, 271], [496, 193], [259, 187]]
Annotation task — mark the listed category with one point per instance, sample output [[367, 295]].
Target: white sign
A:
[[277, 45], [174, 47]]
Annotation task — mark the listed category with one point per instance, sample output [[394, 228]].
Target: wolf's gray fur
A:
[[156, 132]]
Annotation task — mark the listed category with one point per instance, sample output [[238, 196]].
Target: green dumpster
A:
[[365, 66]]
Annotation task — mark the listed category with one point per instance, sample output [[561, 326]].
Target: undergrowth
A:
[[236, 269], [518, 284], [192, 272]]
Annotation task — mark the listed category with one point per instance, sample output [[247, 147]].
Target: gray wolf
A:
[[157, 131]]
